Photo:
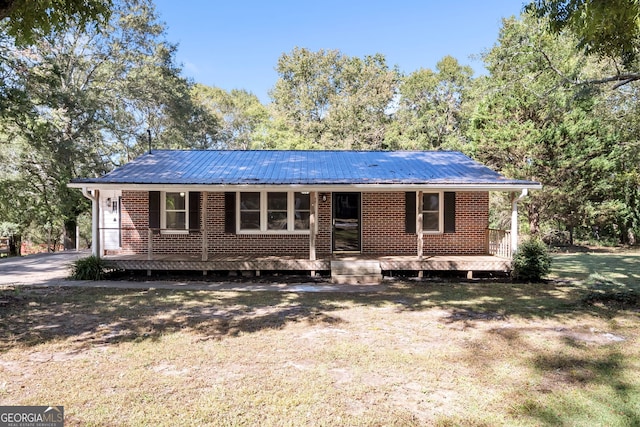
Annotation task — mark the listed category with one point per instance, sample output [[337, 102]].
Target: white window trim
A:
[[163, 213], [264, 216], [440, 229]]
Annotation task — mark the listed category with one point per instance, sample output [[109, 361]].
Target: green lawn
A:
[[420, 353], [623, 267]]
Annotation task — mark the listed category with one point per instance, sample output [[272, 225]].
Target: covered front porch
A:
[[346, 268], [351, 268]]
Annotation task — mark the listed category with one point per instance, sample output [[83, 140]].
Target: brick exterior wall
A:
[[258, 244], [383, 229], [472, 221]]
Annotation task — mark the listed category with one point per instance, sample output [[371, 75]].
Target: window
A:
[[249, 211], [175, 211], [438, 212], [277, 211], [302, 211], [431, 212], [273, 211]]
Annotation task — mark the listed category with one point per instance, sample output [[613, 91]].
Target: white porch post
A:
[[204, 229], [514, 219], [313, 216], [419, 230], [313, 213], [419, 226]]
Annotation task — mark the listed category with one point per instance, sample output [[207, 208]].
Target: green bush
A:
[[90, 268], [531, 261]]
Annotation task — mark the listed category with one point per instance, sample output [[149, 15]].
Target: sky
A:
[[236, 44]]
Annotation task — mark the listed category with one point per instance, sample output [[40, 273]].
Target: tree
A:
[[429, 112], [607, 29], [331, 100], [620, 213], [86, 99], [239, 113], [518, 108], [28, 20], [530, 123]]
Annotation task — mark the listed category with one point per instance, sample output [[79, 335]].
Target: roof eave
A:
[[509, 186]]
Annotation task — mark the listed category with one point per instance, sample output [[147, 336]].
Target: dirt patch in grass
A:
[[418, 353]]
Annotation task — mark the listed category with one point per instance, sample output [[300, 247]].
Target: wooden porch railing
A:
[[499, 242]]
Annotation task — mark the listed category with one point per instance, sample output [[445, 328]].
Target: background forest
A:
[[81, 89]]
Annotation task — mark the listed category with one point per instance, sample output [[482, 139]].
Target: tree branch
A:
[[622, 79]]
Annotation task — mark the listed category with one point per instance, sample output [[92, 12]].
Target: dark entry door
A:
[[346, 222]]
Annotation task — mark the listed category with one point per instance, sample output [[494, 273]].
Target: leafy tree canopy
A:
[[30, 19], [332, 100], [608, 29], [429, 111]]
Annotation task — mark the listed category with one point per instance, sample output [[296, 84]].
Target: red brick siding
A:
[[383, 226], [383, 216], [325, 227], [472, 220], [258, 244], [135, 221]]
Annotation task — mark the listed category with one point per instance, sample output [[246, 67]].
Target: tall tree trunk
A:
[[571, 228], [534, 220], [69, 234], [15, 242]]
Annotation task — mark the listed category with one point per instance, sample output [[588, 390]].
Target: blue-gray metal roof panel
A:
[[267, 167]]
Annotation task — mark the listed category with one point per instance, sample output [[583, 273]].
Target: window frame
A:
[[264, 213], [440, 229], [164, 210]]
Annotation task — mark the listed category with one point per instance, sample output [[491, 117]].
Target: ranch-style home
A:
[[355, 214]]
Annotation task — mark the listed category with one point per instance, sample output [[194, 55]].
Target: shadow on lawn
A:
[[30, 316], [89, 316], [596, 372]]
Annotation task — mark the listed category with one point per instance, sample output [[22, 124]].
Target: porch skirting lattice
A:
[[300, 263]]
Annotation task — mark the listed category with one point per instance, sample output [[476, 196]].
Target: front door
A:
[[346, 222]]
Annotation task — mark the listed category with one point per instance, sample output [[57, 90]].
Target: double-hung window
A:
[[273, 212], [174, 215], [174, 211], [302, 211], [431, 212], [277, 211], [250, 211]]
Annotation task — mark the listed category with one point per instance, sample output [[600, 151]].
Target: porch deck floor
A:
[[301, 262]]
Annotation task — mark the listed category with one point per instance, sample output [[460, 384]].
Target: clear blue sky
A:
[[236, 44]]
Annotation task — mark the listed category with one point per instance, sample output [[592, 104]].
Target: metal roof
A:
[[310, 168]]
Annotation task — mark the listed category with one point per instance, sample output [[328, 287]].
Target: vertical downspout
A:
[[95, 220], [514, 219]]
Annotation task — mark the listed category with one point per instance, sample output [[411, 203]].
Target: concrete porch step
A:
[[344, 279], [356, 272]]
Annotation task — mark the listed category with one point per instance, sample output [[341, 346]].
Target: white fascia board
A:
[[307, 187]]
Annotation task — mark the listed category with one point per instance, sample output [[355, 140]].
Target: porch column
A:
[[514, 219], [313, 212], [419, 228], [204, 229], [96, 243]]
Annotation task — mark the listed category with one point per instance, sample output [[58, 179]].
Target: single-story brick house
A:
[[298, 210]]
